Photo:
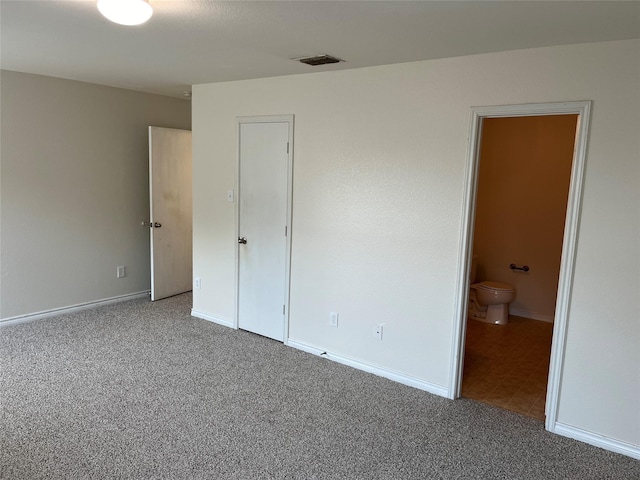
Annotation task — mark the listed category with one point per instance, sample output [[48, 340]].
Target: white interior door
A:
[[170, 207], [263, 224]]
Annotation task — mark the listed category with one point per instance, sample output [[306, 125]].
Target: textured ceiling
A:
[[190, 41]]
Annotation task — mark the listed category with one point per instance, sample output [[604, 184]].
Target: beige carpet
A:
[[142, 390]]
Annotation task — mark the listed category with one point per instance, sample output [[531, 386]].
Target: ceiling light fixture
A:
[[126, 12]]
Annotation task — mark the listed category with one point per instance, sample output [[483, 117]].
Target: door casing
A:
[[289, 120], [582, 109]]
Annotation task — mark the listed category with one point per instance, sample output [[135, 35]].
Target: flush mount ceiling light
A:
[[126, 12]]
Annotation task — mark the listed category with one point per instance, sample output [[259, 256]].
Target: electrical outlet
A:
[[196, 283], [121, 272], [377, 331], [333, 319]]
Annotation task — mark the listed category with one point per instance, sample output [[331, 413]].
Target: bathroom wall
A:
[[524, 175]]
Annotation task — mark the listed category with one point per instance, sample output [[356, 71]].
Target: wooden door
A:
[[170, 207], [263, 228]]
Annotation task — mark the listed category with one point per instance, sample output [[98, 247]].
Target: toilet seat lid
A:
[[495, 286]]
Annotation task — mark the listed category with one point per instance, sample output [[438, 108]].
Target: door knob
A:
[[150, 225], [242, 240]]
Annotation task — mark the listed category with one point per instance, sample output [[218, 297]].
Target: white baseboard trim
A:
[[209, 318], [381, 372], [532, 315], [72, 308], [597, 440]]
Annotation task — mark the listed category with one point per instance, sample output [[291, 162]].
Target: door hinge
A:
[[285, 230], [283, 307], [287, 147]]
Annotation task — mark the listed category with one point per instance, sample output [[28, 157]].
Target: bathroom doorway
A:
[[521, 198], [522, 204]]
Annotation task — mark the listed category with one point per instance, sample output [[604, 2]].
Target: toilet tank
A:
[[474, 268]]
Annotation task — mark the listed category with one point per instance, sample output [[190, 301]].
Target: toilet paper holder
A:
[[524, 268]]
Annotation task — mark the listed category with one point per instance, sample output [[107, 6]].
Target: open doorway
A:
[[521, 198], [551, 320]]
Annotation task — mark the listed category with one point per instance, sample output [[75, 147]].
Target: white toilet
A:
[[489, 301]]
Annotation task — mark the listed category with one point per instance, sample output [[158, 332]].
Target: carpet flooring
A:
[[142, 390]]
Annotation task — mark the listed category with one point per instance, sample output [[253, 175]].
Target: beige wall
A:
[[379, 169], [523, 184], [74, 190]]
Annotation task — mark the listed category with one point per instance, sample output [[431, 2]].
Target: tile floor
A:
[[508, 365]]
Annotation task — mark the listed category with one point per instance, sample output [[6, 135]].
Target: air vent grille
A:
[[319, 60]]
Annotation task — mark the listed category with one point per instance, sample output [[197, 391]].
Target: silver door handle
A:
[[157, 225], [242, 240]]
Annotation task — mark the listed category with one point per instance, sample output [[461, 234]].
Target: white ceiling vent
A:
[[319, 60]]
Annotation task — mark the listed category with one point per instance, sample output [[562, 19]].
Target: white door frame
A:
[[582, 109], [266, 119]]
